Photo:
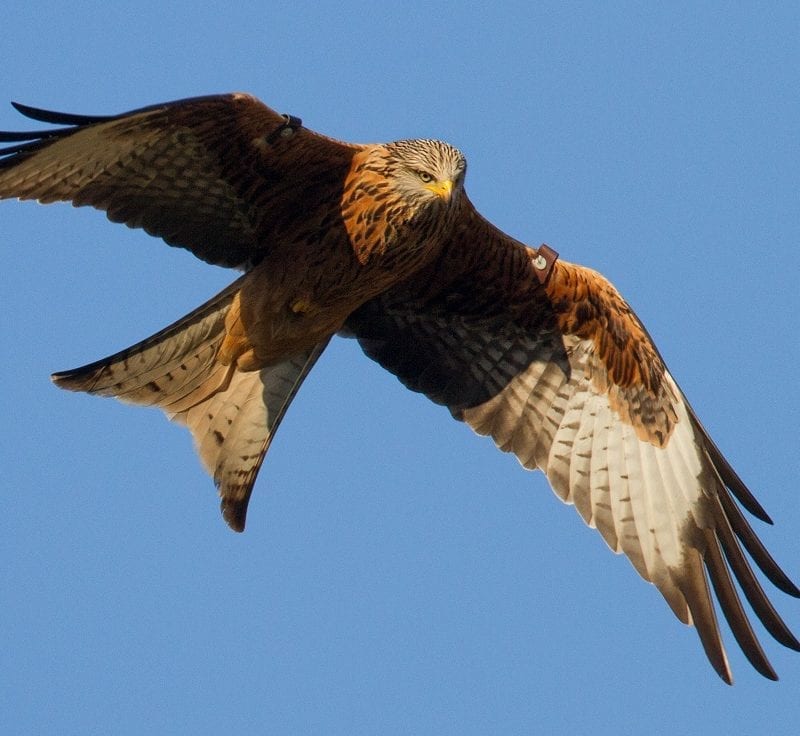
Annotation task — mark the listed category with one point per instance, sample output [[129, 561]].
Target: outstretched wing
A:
[[221, 176], [564, 376]]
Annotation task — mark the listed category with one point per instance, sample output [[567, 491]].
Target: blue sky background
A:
[[398, 574]]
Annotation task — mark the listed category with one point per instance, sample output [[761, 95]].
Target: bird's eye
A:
[[425, 177]]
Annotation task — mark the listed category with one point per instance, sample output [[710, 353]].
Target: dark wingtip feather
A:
[[791, 589], [28, 142], [756, 548], [15, 135], [32, 140], [58, 118], [729, 476], [732, 607], [750, 586], [67, 118]]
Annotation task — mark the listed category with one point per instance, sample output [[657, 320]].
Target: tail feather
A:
[[233, 429], [231, 414], [164, 367]]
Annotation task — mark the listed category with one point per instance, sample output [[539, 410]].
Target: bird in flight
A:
[[381, 243]]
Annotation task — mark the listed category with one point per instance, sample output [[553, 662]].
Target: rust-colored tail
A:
[[231, 414]]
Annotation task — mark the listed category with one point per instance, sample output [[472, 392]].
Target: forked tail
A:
[[231, 414]]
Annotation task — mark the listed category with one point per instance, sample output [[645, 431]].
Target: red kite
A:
[[380, 242]]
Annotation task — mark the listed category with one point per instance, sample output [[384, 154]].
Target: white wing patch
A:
[[649, 502]]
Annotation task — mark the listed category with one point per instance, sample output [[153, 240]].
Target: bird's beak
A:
[[443, 189]]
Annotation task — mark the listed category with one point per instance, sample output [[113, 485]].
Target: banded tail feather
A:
[[231, 414]]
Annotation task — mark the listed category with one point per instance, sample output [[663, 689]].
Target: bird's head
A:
[[401, 197], [426, 171]]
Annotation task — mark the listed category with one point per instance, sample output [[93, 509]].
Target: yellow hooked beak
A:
[[441, 189]]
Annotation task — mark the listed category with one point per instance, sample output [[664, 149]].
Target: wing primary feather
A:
[[751, 587], [58, 118], [735, 483], [694, 586], [729, 476], [33, 140], [732, 606], [27, 135], [755, 547]]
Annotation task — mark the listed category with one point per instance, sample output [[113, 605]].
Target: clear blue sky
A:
[[398, 574]]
